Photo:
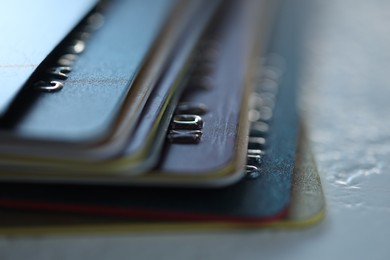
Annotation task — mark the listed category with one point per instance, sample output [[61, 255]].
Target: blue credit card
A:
[[106, 63]]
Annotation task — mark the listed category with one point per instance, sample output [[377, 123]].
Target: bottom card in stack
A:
[[59, 209]]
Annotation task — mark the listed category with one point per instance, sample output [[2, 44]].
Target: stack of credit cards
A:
[[150, 114]]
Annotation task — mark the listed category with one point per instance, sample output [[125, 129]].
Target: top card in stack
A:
[[86, 97]]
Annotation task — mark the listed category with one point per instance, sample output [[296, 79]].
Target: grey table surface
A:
[[346, 104]]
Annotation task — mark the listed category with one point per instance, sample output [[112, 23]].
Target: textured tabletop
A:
[[346, 92]]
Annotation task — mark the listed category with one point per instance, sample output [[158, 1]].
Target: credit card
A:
[[273, 120], [306, 208], [98, 105]]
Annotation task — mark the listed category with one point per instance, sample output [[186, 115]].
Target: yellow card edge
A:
[[161, 227]]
